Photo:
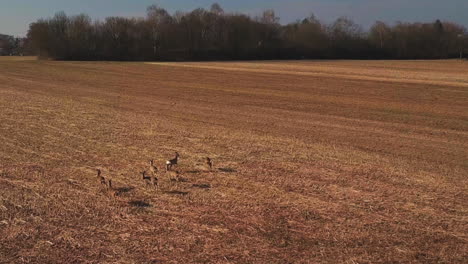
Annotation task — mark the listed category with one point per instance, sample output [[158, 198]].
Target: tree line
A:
[[217, 35], [12, 46]]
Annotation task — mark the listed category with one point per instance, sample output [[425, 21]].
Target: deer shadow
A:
[[122, 190], [202, 186], [177, 193], [140, 204], [180, 179], [194, 171], [228, 170]]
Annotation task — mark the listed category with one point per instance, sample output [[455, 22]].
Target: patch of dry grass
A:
[[353, 162], [17, 58]]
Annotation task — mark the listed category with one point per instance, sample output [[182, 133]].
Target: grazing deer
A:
[[172, 162], [209, 163], [153, 169]]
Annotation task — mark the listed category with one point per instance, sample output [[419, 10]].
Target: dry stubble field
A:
[[315, 162]]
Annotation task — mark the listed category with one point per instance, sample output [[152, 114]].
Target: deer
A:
[[106, 183], [101, 178], [110, 189], [172, 162], [153, 169], [209, 163], [174, 175], [145, 178], [149, 180]]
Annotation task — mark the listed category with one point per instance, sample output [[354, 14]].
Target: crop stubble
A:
[[319, 161]]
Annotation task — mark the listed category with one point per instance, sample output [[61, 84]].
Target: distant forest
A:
[[10, 45], [217, 35]]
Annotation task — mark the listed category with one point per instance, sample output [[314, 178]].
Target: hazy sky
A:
[[15, 15]]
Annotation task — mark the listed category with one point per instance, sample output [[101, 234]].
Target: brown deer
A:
[[154, 182], [172, 162], [107, 184], [153, 169], [112, 192], [101, 178], [209, 163], [173, 175], [150, 181]]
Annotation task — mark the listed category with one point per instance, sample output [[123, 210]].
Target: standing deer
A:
[[112, 192], [145, 178], [209, 163], [174, 175], [150, 181], [101, 178], [172, 162], [107, 183], [153, 169]]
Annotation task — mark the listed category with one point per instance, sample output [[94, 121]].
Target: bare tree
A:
[[159, 20], [217, 9], [269, 17], [380, 33]]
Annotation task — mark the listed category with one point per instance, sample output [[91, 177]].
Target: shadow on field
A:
[[141, 204], [124, 189], [227, 170], [177, 193], [202, 186], [180, 179], [194, 171]]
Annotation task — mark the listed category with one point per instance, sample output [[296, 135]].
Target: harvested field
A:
[[314, 162]]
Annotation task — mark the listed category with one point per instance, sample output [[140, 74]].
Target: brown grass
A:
[[17, 58], [315, 162]]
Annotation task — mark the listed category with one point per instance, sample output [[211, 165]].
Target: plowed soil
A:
[[314, 162]]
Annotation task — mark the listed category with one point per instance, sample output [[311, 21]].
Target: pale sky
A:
[[16, 15]]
